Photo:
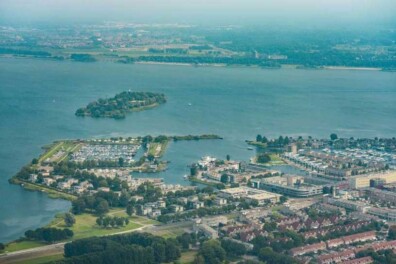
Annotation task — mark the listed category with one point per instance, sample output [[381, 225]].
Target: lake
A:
[[38, 99]]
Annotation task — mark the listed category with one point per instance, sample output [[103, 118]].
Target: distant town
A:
[[338, 205], [126, 43]]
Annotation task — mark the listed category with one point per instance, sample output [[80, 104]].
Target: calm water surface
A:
[[38, 99]]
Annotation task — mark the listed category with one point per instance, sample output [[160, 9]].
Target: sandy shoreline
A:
[[255, 66], [351, 68]]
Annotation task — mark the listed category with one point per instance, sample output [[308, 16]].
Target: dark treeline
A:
[[83, 57], [25, 52], [99, 203], [112, 221], [203, 211], [131, 248], [49, 234], [212, 60], [119, 105]]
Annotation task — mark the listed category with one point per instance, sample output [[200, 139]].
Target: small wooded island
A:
[[119, 105]]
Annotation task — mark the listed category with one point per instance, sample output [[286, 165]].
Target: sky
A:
[[304, 12]]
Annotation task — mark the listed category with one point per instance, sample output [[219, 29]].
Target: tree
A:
[[2, 246], [199, 259], [392, 233], [121, 162], [271, 257], [224, 178], [124, 199], [130, 209], [212, 252], [150, 157], [233, 248], [193, 171], [269, 227], [263, 158], [70, 220], [78, 206], [326, 190], [185, 240], [102, 207], [228, 157], [49, 234], [333, 136], [159, 251], [259, 138], [283, 199], [35, 161], [172, 250]]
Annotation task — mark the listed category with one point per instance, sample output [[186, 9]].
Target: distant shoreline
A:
[[352, 68], [283, 66]]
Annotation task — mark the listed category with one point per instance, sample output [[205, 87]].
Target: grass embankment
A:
[[53, 150], [157, 149], [196, 180], [256, 144], [51, 192], [43, 259], [274, 160], [21, 245], [84, 227], [192, 137]]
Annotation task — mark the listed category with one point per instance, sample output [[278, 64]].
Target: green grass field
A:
[[276, 160], [21, 245], [84, 227], [44, 259], [65, 146], [187, 257], [158, 149]]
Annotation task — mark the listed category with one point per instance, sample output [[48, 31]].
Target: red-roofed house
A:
[[335, 242], [360, 237], [365, 260], [307, 249], [336, 257]]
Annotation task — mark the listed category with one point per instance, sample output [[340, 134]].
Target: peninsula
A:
[[121, 104]]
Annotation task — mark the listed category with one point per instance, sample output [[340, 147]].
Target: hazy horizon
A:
[[282, 12]]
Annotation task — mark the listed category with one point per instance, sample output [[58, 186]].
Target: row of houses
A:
[[343, 228], [346, 255], [346, 240], [310, 224]]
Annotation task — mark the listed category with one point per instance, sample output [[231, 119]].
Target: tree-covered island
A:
[[119, 105]]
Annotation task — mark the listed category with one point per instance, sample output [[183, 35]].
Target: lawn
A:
[[66, 146], [44, 259], [21, 245], [171, 231], [51, 192], [276, 160], [157, 149], [85, 225], [187, 257]]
